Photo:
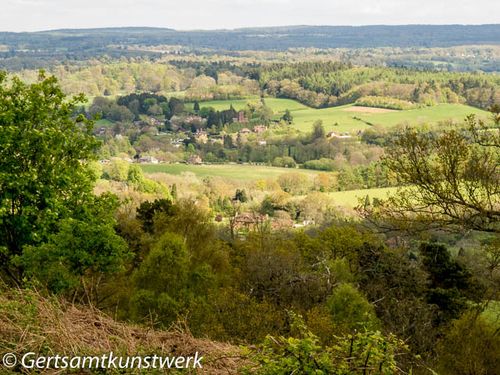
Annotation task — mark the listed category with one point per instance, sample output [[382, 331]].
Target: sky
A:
[[36, 15]]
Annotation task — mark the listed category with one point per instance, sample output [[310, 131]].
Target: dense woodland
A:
[[405, 284]]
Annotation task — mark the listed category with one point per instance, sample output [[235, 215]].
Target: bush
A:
[[284, 162], [366, 352], [323, 164]]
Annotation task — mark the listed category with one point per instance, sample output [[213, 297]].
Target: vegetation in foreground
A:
[[381, 295]]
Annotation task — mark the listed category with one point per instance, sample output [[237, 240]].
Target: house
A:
[[248, 220], [195, 159], [241, 118], [155, 122], [336, 135], [245, 131], [201, 136], [259, 129], [148, 160], [216, 139], [177, 142]]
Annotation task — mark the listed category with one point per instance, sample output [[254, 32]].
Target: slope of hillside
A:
[[46, 326]]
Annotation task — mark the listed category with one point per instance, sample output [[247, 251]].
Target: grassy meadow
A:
[[252, 173], [350, 198], [349, 118], [236, 172]]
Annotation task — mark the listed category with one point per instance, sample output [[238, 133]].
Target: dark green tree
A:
[[196, 106], [241, 195]]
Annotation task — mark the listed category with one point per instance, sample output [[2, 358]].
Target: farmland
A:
[[252, 173], [350, 198], [237, 172], [349, 118]]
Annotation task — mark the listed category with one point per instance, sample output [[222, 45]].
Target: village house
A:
[[248, 220], [216, 140], [201, 136], [259, 129], [148, 160], [155, 122], [241, 118], [336, 135], [195, 159]]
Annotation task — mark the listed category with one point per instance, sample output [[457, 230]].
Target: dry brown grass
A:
[[32, 323]]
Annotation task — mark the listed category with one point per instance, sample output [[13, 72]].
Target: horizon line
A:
[[245, 27]]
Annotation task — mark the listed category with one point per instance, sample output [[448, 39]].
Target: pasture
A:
[[236, 172], [246, 173], [349, 118], [351, 198]]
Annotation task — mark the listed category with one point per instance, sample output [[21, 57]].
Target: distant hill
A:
[[268, 38]]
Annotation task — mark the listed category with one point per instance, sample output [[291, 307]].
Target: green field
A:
[[342, 120], [277, 105], [248, 173], [239, 172], [104, 122], [351, 198]]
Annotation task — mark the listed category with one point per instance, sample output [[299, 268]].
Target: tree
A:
[[470, 346], [451, 284], [287, 117], [176, 106], [196, 106], [451, 178], [318, 130], [241, 195], [350, 309], [80, 252], [161, 280], [44, 153]]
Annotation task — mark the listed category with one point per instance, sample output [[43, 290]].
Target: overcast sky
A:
[[30, 15]]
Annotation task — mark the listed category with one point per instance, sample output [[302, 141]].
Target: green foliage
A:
[[453, 176], [43, 156], [161, 280], [451, 284], [118, 170], [241, 195], [366, 352], [287, 117], [350, 310], [318, 131], [322, 164], [385, 102], [470, 344], [83, 246], [284, 162], [147, 211]]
